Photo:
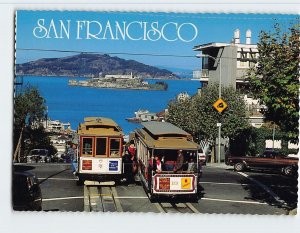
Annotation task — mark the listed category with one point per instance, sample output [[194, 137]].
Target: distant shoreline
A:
[[88, 77]]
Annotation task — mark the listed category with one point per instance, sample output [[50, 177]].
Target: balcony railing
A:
[[198, 74]]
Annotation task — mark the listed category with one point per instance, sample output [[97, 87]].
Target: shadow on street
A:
[[284, 187]]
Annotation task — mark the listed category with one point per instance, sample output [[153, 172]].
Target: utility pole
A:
[[273, 136], [220, 124]]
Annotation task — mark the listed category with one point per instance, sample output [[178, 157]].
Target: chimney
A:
[[237, 36], [248, 36]]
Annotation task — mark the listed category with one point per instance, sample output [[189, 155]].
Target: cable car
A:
[[176, 152], [99, 154]]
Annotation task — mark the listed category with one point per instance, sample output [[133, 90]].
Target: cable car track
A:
[[98, 198], [166, 207]]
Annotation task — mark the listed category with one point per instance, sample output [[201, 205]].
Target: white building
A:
[[119, 76]]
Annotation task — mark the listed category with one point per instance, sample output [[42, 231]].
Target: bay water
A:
[[72, 103]]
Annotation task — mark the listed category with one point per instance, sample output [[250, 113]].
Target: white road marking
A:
[[44, 164], [62, 198], [63, 179], [217, 183], [233, 201], [264, 187], [139, 197]]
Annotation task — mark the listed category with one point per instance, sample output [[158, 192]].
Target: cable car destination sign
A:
[[220, 105]]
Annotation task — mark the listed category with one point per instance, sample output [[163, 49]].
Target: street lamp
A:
[[220, 95]]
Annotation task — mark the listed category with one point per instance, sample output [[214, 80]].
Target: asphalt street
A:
[[221, 191]]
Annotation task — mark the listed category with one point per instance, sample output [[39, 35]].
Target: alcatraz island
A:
[[100, 71], [120, 82]]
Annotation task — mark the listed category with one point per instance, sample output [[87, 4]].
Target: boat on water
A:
[[143, 116]]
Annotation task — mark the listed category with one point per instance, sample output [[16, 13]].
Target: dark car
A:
[[269, 160], [26, 191]]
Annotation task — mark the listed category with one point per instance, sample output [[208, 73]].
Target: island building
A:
[[119, 76]]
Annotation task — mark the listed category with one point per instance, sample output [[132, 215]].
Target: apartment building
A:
[[227, 62]]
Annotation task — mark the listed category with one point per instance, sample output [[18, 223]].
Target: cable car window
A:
[[87, 146], [101, 146], [115, 147]]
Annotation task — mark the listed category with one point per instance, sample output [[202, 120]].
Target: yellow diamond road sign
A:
[[220, 105]]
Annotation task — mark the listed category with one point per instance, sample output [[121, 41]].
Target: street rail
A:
[[101, 198], [170, 207]]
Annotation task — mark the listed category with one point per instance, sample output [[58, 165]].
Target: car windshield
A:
[[39, 152], [43, 152], [35, 152]]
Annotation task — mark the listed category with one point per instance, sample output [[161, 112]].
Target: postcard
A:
[[156, 112]]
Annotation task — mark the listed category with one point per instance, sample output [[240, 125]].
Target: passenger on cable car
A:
[[191, 164], [158, 164], [179, 162], [168, 163]]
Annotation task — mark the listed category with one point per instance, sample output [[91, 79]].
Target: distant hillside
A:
[[180, 72], [88, 65]]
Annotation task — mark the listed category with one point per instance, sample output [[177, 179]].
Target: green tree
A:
[[198, 116], [181, 113], [29, 106], [275, 79], [233, 118]]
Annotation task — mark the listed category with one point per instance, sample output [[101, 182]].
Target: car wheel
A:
[[239, 167], [288, 171]]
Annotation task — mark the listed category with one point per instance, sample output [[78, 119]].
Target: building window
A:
[[205, 63]]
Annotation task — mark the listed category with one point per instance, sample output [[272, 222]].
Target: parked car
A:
[[59, 157], [202, 157], [269, 160], [27, 193], [38, 155]]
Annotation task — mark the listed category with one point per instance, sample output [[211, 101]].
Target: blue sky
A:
[[210, 28]]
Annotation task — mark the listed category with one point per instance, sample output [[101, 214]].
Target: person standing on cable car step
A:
[[128, 175], [132, 153], [131, 150], [179, 162]]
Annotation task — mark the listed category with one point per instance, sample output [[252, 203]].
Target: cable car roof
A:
[[99, 126], [163, 135], [99, 121], [163, 128]]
